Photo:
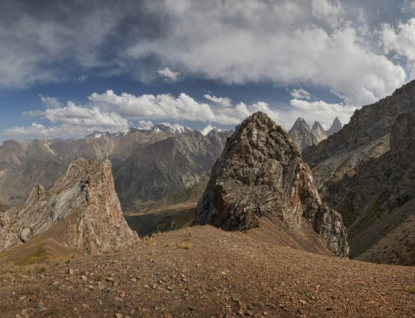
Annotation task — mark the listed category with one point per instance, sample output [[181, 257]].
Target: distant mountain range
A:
[[304, 136], [147, 164]]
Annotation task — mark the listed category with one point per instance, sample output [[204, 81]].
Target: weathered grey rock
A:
[[378, 200], [335, 127], [303, 136], [318, 132], [259, 173], [84, 198]]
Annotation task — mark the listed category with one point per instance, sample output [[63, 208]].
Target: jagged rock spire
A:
[[259, 173]]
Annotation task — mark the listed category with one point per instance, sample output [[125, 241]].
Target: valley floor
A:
[[206, 272]]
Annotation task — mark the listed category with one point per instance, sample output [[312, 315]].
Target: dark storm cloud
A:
[[326, 43], [46, 41]]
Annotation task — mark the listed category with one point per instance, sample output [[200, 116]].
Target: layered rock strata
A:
[[261, 173]]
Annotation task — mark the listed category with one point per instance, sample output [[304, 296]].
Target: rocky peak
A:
[[84, 200], [261, 173], [38, 149], [303, 136], [367, 125], [301, 124], [318, 133], [335, 127]]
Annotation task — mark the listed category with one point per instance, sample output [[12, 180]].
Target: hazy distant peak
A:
[[335, 127], [317, 126]]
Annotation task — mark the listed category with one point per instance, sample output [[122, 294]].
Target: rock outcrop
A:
[[365, 172], [303, 136], [260, 173], [84, 200]]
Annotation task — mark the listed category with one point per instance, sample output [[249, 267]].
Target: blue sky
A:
[[68, 68]]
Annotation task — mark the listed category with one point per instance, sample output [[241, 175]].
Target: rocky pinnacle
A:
[[260, 173]]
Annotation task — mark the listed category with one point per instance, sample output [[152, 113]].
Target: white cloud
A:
[[63, 131], [183, 107], [82, 116], [50, 101], [319, 111], [82, 77], [222, 101], [400, 40], [408, 6], [145, 124], [300, 94], [330, 11], [168, 74]]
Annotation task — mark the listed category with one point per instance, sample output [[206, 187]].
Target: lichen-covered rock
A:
[[85, 198], [259, 173]]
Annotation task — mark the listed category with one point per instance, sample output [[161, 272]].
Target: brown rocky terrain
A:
[[83, 205], [207, 272], [260, 174]]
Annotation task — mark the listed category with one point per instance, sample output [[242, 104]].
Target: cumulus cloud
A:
[[222, 101], [168, 74], [183, 107], [82, 116], [68, 121], [145, 124], [400, 40], [318, 110], [50, 101], [300, 94], [278, 42], [112, 112]]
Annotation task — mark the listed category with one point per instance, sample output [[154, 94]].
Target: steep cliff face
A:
[[365, 172], [260, 173], [378, 202], [366, 126], [84, 199]]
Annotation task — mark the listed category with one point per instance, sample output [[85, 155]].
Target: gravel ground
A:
[[206, 272]]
